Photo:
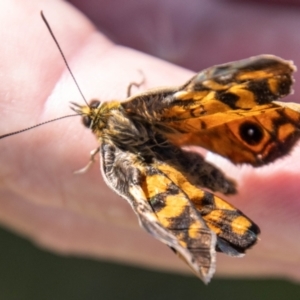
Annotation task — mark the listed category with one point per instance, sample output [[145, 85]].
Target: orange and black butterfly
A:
[[228, 109]]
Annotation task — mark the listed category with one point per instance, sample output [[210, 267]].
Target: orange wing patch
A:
[[235, 231], [256, 136]]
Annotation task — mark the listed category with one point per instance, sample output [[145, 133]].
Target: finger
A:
[[40, 196]]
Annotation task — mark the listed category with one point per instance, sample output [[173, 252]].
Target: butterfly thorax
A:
[[110, 122]]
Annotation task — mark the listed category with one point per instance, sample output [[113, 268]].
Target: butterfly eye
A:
[[94, 103], [251, 133], [87, 121]]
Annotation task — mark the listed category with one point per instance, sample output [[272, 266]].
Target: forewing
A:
[[237, 85], [172, 206], [163, 209], [227, 109]]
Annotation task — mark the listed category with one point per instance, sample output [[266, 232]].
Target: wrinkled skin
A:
[[39, 195]]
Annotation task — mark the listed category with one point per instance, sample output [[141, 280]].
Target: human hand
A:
[[40, 196]]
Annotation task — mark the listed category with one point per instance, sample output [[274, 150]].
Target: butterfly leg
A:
[[136, 84], [90, 163]]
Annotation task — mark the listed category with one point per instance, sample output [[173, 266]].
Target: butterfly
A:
[[229, 109]]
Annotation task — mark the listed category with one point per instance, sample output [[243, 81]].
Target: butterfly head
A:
[[96, 115], [90, 113]]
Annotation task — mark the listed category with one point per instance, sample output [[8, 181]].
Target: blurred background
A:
[[197, 34], [29, 273]]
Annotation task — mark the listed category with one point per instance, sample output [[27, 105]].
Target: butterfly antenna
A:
[[66, 63], [37, 125], [63, 56]]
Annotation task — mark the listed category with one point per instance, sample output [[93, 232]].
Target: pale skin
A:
[[41, 198]]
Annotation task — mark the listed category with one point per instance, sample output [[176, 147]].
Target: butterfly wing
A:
[[162, 208], [256, 136], [228, 110], [189, 171], [170, 205]]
